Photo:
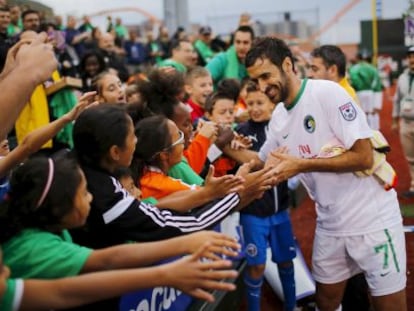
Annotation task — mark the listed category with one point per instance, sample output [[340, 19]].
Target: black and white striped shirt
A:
[[116, 216]]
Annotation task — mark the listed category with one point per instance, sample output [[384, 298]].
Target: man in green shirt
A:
[[203, 45], [120, 30], [16, 25], [182, 56], [366, 81], [230, 64]]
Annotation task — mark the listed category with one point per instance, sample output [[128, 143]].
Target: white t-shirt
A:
[[323, 113]]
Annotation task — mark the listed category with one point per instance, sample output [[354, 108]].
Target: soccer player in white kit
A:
[[359, 225]]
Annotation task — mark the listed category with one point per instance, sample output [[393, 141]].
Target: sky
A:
[[221, 14]]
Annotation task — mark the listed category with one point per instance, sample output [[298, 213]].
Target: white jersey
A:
[[322, 113]]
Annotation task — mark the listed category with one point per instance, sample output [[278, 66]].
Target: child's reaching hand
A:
[[195, 277], [240, 142], [219, 187], [208, 129], [85, 101], [220, 244]]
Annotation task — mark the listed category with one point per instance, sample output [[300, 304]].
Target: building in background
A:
[[176, 14]]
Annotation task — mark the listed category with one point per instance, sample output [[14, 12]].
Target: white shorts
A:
[[379, 255], [367, 100]]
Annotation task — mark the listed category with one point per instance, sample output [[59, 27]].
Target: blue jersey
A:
[[275, 199]]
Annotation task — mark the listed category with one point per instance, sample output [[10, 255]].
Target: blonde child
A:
[[199, 86]]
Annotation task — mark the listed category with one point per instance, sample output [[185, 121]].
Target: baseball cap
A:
[[205, 30], [410, 49]]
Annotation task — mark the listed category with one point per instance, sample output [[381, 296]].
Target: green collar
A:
[[299, 95]]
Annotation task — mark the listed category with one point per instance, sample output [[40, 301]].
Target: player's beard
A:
[[278, 92]]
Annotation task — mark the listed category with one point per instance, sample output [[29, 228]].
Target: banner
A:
[[171, 299], [156, 299], [409, 30]]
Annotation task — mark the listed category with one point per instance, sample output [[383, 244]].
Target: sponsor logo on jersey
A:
[[251, 250], [309, 124], [348, 111], [305, 150]]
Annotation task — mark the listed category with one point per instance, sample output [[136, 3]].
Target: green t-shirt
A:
[[121, 31], [150, 200], [12, 297], [13, 30], [205, 51], [41, 254], [156, 48], [226, 65], [172, 63], [184, 172], [364, 77]]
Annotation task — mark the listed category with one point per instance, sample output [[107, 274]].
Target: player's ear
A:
[[287, 64], [333, 70]]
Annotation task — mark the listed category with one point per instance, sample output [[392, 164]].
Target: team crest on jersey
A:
[[309, 124], [251, 250], [348, 111]]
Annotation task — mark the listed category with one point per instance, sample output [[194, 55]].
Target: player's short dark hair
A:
[[331, 55], [272, 48]]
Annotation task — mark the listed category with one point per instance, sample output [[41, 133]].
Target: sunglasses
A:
[[179, 141]]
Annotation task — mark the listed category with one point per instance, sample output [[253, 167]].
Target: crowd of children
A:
[[139, 146]]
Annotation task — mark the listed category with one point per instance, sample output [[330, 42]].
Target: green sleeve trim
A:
[[150, 200], [12, 297]]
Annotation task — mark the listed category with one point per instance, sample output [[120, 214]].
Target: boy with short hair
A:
[[198, 85], [266, 222]]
